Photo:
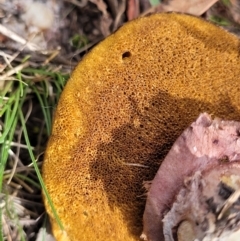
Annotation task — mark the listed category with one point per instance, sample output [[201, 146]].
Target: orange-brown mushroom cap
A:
[[120, 112]]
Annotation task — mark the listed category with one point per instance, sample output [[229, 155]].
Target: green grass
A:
[[220, 21], [22, 142]]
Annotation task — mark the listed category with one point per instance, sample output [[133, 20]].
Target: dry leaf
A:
[[195, 7], [119, 16], [133, 9], [235, 10], [106, 21]]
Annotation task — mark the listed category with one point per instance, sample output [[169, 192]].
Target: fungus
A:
[[122, 109], [197, 186]]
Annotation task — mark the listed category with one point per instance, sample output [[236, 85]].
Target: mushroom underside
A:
[[120, 112]]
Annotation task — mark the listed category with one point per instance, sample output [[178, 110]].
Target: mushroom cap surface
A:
[[123, 107]]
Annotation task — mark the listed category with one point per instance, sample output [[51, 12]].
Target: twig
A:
[[80, 4], [121, 10], [14, 71], [24, 184], [135, 165], [52, 56], [10, 34], [85, 48]]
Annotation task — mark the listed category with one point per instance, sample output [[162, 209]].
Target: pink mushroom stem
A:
[[206, 143]]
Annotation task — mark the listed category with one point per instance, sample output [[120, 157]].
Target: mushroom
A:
[[195, 185], [122, 109]]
